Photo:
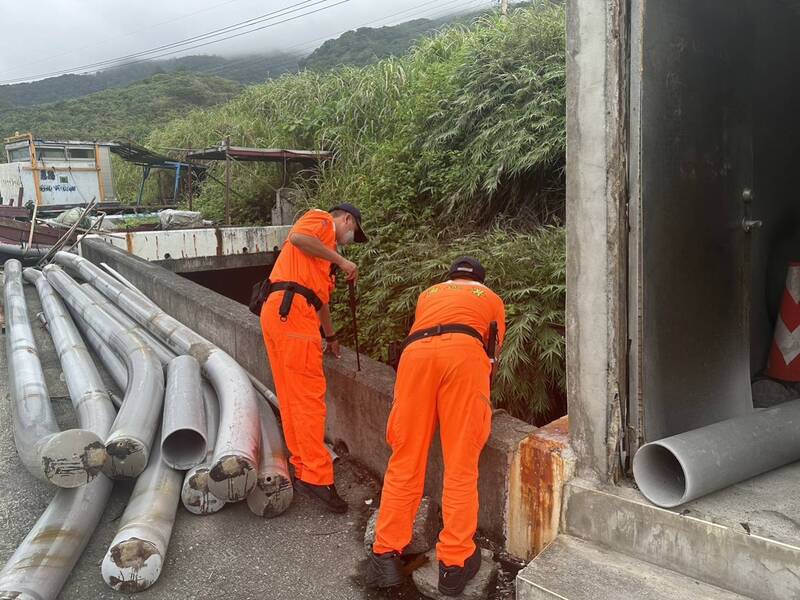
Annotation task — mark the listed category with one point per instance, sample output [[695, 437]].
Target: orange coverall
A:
[[442, 379], [294, 349]]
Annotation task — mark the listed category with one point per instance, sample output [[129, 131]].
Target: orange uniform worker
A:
[[443, 377], [296, 307]]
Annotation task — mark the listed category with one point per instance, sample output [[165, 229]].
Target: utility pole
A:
[[504, 8], [227, 181]]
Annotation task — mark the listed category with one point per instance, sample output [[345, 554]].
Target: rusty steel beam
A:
[[236, 455], [129, 443], [65, 458]]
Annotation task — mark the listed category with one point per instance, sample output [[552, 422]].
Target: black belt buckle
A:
[[438, 330]]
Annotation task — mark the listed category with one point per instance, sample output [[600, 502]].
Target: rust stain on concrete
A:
[[544, 462]]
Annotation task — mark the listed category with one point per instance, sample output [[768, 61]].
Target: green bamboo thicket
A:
[[457, 147]]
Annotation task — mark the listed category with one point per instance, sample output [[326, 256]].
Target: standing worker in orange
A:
[[296, 307], [443, 377]]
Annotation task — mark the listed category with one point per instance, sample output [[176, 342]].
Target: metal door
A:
[[691, 161]]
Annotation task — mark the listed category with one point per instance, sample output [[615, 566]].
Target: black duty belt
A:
[[441, 330], [290, 288]]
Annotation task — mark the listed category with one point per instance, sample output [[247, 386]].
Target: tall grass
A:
[[457, 147]]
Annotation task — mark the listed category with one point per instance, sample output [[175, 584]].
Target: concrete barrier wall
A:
[[514, 489]]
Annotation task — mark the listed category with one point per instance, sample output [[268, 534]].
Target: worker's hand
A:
[[350, 269], [333, 348]]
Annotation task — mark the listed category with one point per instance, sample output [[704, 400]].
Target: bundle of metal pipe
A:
[[273, 492], [134, 560], [236, 454], [677, 469], [88, 392], [183, 429], [42, 562], [129, 443], [65, 458], [196, 497]]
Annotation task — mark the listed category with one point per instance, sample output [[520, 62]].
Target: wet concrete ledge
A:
[[522, 469]]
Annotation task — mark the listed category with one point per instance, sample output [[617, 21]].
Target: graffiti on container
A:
[[57, 188]]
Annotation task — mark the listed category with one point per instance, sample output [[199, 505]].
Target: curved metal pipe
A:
[[129, 443], [196, 497], [273, 492], [136, 555], [44, 560], [87, 390], [23, 252], [65, 458], [183, 429], [112, 363], [680, 468], [164, 354], [236, 454]]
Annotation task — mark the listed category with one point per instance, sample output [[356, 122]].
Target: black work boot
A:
[[323, 493], [453, 580], [384, 570]]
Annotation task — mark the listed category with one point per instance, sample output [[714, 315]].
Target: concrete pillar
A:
[[597, 195]]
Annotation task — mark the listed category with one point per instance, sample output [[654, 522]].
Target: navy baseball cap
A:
[[467, 267], [360, 236]]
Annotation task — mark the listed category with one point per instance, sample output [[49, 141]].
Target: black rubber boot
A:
[[453, 580], [384, 570], [323, 493]]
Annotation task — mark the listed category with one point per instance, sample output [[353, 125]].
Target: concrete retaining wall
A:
[[514, 489]]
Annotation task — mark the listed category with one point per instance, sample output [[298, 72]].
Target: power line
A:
[[128, 34], [276, 66], [242, 24]]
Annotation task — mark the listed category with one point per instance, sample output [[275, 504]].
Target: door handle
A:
[[748, 223]]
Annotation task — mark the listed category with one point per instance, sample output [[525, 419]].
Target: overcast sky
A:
[[48, 36]]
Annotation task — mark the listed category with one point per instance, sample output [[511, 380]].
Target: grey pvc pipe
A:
[[65, 458], [87, 390], [196, 497], [681, 468], [44, 560], [109, 359], [23, 253], [273, 492], [129, 443], [136, 556], [184, 436], [183, 429], [236, 454], [165, 355]]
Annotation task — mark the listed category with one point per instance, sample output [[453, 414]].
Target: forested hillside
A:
[[243, 69], [133, 111], [457, 147], [367, 45]]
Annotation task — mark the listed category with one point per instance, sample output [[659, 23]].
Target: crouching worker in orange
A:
[[443, 378], [296, 306]]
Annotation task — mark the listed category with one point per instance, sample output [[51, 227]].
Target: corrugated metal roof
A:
[[279, 155]]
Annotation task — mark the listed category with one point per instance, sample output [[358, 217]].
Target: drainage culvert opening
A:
[[659, 475]]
